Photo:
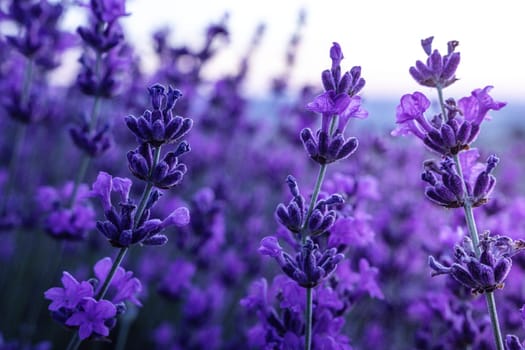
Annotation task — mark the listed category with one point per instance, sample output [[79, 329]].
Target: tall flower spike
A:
[[449, 134], [438, 71], [485, 273], [293, 216], [329, 144], [160, 126], [310, 266], [446, 186]]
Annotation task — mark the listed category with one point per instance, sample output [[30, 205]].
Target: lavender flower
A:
[[483, 274], [70, 295], [446, 134], [123, 286], [438, 71], [120, 227], [92, 317], [329, 144], [160, 126], [446, 186], [512, 342], [62, 219], [166, 173], [310, 266], [294, 216]]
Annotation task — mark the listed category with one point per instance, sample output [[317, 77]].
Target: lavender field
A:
[[169, 208]]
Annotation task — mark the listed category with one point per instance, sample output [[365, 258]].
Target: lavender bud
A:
[[502, 269]]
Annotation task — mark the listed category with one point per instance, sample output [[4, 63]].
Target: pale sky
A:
[[381, 36]]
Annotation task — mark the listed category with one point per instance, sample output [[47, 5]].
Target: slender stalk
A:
[[473, 231], [308, 320], [491, 305], [315, 194], [86, 159], [309, 300], [19, 135], [441, 102], [75, 341]]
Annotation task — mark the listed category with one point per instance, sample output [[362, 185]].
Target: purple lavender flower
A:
[[446, 134], [439, 71], [92, 142], [446, 186], [166, 173], [40, 38], [92, 316], [329, 144], [123, 287], [160, 126], [64, 220], [120, 227], [294, 216], [310, 266], [69, 296], [512, 342], [475, 107], [485, 273]]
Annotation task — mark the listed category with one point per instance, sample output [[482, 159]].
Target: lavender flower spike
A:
[[483, 274], [438, 71], [310, 266], [160, 126]]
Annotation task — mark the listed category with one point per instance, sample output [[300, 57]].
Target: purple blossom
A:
[[446, 134], [63, 219], [123, 286], [438, 71], [485, 273], [476, 106], [121, 227], [92, 316], [69, 296]]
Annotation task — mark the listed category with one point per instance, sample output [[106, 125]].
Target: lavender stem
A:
[[19, 136], [473, 231], [75, 341], [95, 110], [309, 300]]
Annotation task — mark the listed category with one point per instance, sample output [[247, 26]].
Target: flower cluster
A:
[[122, 227], [329, 143], [448, 189], [160, 126], [78, 304], [310, 266], [63, 219], [295, 216], [453, 130], [485, 273]]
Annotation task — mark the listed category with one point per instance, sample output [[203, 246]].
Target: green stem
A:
[[86, 159], [315, 194], [116, 263], [491, 305], [308, 320], [308, 315], [19, 135], [473, 231], [441, 102], [75, 341]]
